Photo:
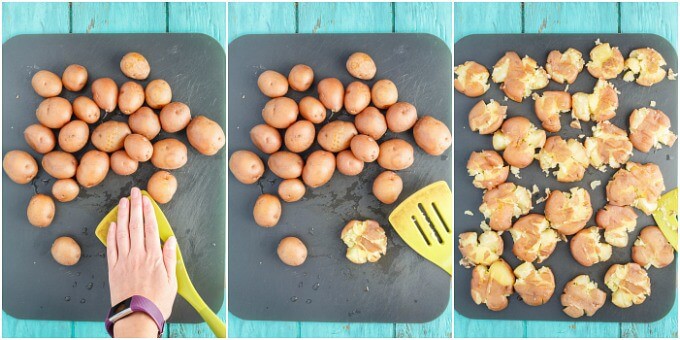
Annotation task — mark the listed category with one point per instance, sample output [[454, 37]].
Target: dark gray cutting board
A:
[[487, 49], [402, 286], [36, 287]]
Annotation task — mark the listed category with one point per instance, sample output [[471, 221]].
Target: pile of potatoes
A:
[[346, 143], [63, 129]]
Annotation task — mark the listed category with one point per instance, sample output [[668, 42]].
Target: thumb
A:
[[170, 257]]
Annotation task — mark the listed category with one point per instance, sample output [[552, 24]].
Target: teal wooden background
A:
[[658, 18], [245, 18], [20, 18]]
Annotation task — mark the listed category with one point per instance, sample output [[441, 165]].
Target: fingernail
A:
[[123, 202], [173, 242], [135, 192]]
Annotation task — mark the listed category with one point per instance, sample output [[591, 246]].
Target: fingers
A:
[[152, 240], [170, 257], [111, 252], [136, 222], [122, 234]]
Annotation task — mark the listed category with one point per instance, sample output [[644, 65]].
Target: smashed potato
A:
[[519, 139], [487, 118], [587, 249], [569, 156], [617, 222], [650, 128], [366, 241], [487, 168], [549, 106], [606, 62], [492, 285], [629, 284], [472, 79], [533, 238], [519, 76], [647, 64], [598, 106], [652, 249], [484, 250], [637, 185], [568, 212], [582, 297], [535, 286], [564, 67], [503, 203], [609, 145]]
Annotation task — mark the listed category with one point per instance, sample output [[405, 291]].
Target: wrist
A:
[[137, 324]]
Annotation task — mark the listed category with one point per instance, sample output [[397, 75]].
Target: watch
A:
[[135, 303]]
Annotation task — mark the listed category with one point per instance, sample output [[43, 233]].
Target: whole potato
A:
[[54, 112], [138, 147], [312, 110], [266, 138], [301, 77], [65, 190], [40, 211], [348, 164], [272, 84], [74, 136], [65, 251], [384, 93], [361, 65], [267, 210], [145, 122], [74, 77], [291, 190], [135, 66], [40, 138], [357, 97], [365, 148], [169, 154], [331, 93], [175, 117], [319, 168], [130, 97], [59, 164], [105, 94], [158, 93], [387, 187], [86, 109], [285, 164], [292, 251], [280, 112], [46, 84], [93, 168], [20, 166], [122, 164], [395, 154], [336, 135], [371, 122], [162, 186], [401, 117], [205, 135], [110, 136], [246, 166], [431, 135], [300, 136]]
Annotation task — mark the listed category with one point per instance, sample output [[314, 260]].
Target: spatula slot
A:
[[432, 230], [441, 217], [420, 229]]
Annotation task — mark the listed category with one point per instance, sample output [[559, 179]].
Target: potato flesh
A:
[[609, 145], [647, 64], [582, 297], [629, 284], [503, 203], [483, 249], [365, 240], [650, 128], [533, 238], [638, 185], [569, 156]]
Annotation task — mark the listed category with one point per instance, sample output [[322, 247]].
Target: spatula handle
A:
[[216, 325]]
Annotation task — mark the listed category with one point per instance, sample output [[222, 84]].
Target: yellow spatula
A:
[[184, 286], [424, 221], [666, 216]]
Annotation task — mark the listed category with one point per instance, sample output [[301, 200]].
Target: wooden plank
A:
[[477, 18], [195, 330], [440, 327], [424, 17], [116, 17], [601, 17], [199, 17], [86, 329], [19, 328], [249, 18], [239, 328], [667, 327], [555, 329], [651, 17], [344, 17]]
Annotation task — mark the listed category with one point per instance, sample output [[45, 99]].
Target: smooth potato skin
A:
[[138, 147], [280, 112], [110, 136], [312, 110], [387, 187], [300, 136], [145, 122], [267, 210], [20, 166], [301, 77], [86, 110], [65, 251], [40, 138], [105, 94], [246, 166], [175, 117], [432, 135], [40, 211], [74, 136], [59, 164], [364, 148], [318, 169], [205, 135], [336, 135], [162, 186], [54, 112], [131, 97], [266, 138], [357, 97], [384, 93], [46, 84], [272, 84], [285, 164], [292, 251], [135, 66], [93, 168], [169, 154], [158, 93], [371, 122], [360, 65], [401, 117], [74, 77], [291, 190], [348, 164], [331, 93], [122, 164], [395, 154], [65, 190]]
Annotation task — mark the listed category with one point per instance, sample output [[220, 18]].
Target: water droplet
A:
[[300, 284], [308, 301], [316, 286], [89, 285], [366, 289], [415, 301], [82, 301], [78, 273], [67, 298], [294, 299], [75, 284]]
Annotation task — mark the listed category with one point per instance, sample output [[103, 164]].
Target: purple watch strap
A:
[[137, 303]]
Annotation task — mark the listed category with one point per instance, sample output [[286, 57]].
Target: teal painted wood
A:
[[424, 17], [345, 17], [18, 328], [249, 18], [488, 17], [195, 17], [441, 327], [651, 17], [601, 17], [664, 328], [128, 17]]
